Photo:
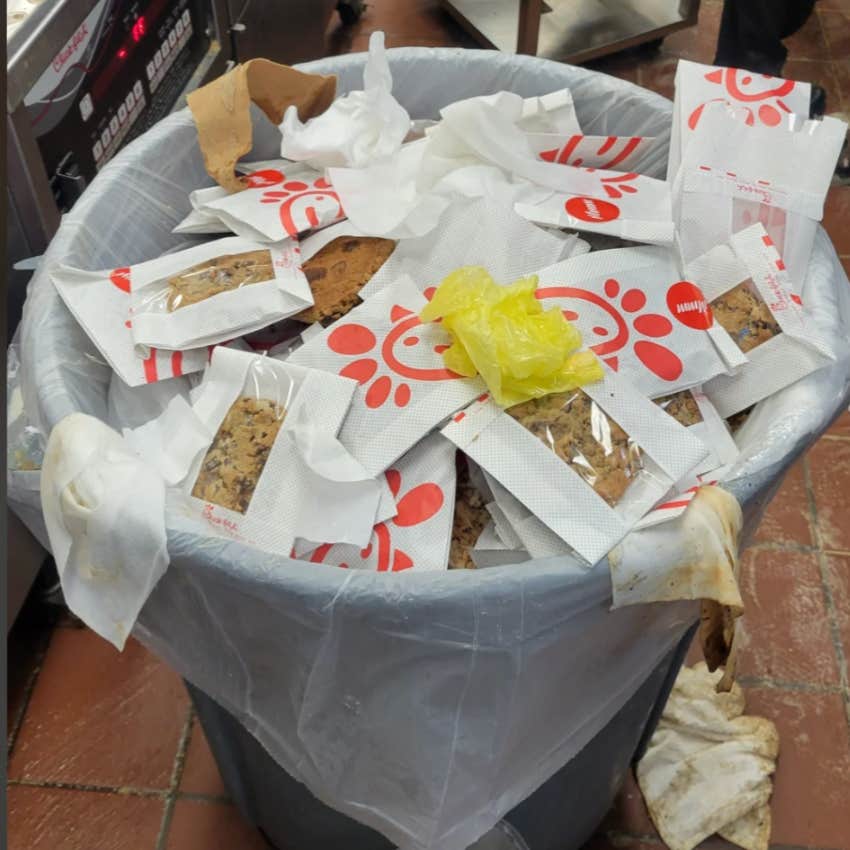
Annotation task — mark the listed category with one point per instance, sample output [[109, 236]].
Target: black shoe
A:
[[817, 102]]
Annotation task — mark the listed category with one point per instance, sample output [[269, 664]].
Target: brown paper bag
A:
[[221, 110]]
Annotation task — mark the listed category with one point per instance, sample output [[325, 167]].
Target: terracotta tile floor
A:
[[105, 753]]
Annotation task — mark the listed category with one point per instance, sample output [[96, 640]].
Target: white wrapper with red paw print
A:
[[418, 537], [405, 389], [766, 101], [100, 302], [160, 319], [294, 200], [605, 152], [637, 315], [631, 206], [554, 492], [308, 486], [777, 362], [734, 175], [265, 173]]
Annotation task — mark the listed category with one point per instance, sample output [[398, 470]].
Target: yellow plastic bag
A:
[[503, 334]]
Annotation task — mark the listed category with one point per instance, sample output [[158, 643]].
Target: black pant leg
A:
[[751, 32]]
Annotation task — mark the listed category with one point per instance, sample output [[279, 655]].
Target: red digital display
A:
[[138, 29], [122, 53]]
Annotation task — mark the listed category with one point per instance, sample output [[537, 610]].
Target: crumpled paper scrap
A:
[[708, 766], [104, 508], [357, 129], [222, 110], [503, 334]]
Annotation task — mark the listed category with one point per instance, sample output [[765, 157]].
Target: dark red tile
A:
[[60, 819], [200, 772], [841, 71], [698, 43], [808, 42], [100, 717], [784, 633], [811, 795], [841, 426], [829, 465], [836, 29], [211, 826], [838, 578], [836, 218], [659, 75], [786, 519]]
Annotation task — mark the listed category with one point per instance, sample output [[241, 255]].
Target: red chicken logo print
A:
[[414, 508], [617, 148], [264, 178], [304, 205], [401, 351], [597, 211], [609, 320], [120, 279], [760, 94]]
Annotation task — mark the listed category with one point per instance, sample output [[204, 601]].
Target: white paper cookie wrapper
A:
[[309, 486], [779, 361], [418, 538], [605, 152], [290, 200], [405, 389], [553, 491], [624, 204], [264, 173], [225, 315], [356, 129], [100, 302], [734, 175], [104, 508], [637, 314], [629, 206], [472, 233], [768, 102]]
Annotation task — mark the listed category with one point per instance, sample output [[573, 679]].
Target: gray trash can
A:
[[426, 708]]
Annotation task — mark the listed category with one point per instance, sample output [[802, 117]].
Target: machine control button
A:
[[86, 106]]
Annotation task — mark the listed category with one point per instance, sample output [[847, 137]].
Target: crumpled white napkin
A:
[[104, 509], [355, 130], [708, 766]]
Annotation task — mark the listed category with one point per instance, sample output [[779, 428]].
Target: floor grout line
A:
[[780, 685], [829, 600], [123, 791], [198, 797], [176, 777], [12, 737], [771, 546]]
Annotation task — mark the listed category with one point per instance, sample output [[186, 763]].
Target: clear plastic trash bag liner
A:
[[425, 706]]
